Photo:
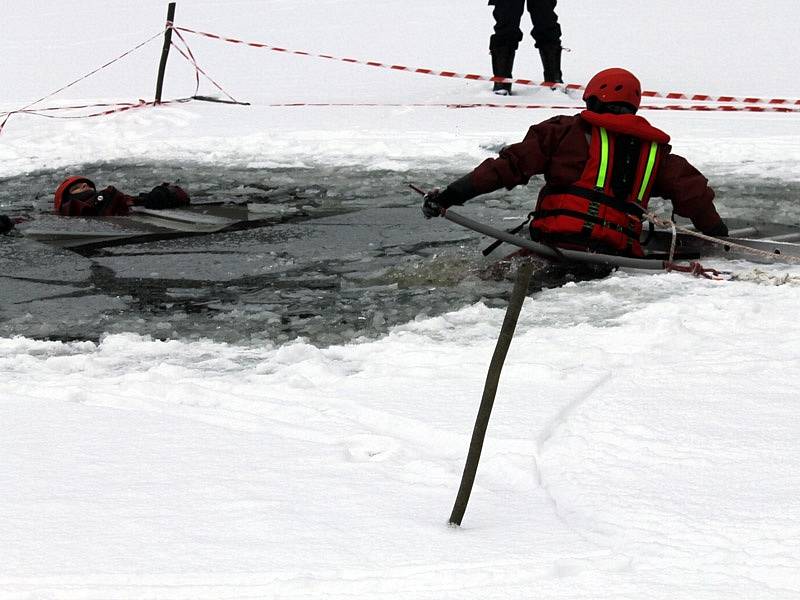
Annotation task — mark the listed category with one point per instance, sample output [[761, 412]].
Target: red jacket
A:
[[108, 202], [559, 149]]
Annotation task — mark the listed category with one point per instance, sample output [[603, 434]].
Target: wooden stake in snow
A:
[[162, 66], [524, 273]]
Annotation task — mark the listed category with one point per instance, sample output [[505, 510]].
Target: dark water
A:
[[356, 259]]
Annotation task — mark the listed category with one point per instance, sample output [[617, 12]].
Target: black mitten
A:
[[436, 201], [165, 196], [431, 207], [6, 224], [718, 230]]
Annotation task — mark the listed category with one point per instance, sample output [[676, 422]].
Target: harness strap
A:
[[575, 241], [628, 208], [590, 218], [494, 245]]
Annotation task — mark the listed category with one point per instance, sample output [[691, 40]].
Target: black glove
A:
[[430, 204], [718, 230], [437, 201], [6, 224], [164, 196]]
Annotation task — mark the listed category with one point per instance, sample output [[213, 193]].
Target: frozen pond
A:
[[357, 259]]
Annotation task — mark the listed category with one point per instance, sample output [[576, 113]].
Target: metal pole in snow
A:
[[162, 66], [524, 273]]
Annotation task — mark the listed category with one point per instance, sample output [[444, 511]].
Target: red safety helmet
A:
[[615, 85], [62, 188]]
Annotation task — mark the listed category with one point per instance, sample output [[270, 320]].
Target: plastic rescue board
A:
[[145, 225], [773, 241]]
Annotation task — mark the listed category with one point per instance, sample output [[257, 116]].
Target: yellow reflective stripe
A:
[[601, 173], [648, 173]]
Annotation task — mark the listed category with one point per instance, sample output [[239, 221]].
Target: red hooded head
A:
[[63, 190]]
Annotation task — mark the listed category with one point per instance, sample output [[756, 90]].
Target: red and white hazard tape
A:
[[686, 107], [197, 69], [692, 97], [719, 103], [121, 108], [27, 107], [115, 108], [75, 107], [125, 106], [372, 63], [722, 108]]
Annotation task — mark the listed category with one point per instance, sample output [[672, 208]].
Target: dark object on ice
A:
[[164, 196], [77, 196], [218, 100], [507, 35], [6, 224], [600, 167], [490, 390]]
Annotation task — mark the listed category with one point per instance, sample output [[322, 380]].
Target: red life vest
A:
[[590, 213]]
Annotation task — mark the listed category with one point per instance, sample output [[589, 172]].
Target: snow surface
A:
[[644, 438]]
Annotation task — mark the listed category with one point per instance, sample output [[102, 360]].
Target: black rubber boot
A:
[[551, 61], [502, 64]]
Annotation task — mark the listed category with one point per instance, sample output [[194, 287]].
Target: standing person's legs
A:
[[507, 16], [546, 29], [547, 35], [505, 40]]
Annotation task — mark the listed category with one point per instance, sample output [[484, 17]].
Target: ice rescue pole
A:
[[518, 295], [521, 284], [556, 253], [524, 272], [162, 66]]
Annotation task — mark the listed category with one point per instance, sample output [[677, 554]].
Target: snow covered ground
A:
[[644, 438]]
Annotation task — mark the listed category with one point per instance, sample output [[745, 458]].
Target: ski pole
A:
[[524, 273]]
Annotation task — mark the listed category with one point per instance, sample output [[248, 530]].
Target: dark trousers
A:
[[508, 14]]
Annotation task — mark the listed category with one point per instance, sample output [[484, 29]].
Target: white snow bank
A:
[[642, 445]]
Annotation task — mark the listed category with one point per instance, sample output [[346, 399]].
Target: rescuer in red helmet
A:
[[78, 197], [600, 167]]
